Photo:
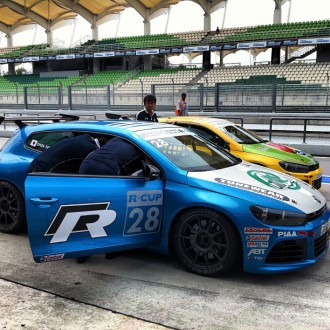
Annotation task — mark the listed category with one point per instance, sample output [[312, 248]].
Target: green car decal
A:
[[273, 180], [264, 149]]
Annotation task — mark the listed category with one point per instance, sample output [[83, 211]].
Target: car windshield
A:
[[241, 135], [191, 152]]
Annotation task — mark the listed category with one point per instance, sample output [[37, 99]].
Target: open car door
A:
[[71, 216]]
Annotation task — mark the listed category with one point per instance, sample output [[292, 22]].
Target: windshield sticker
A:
[[273, 180], [252, 188], [163, 133]]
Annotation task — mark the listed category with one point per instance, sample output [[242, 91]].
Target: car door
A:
[[69, 216]]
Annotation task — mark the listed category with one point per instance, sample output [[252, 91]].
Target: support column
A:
[[207, 21], [277, 12], [95, 30], [9, 40], [49, 37]]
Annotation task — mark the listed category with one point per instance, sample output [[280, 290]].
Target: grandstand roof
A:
[[47, 13], [16, 14]]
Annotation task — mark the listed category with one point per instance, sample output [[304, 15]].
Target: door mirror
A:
[[150, 172]]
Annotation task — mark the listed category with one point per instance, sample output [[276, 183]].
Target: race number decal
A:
[[144, 209], [79, 218]]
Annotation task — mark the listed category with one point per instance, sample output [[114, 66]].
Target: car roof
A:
[[102, 126], [203, 120]]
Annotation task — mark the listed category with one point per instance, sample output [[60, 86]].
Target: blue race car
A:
[[182, 194]]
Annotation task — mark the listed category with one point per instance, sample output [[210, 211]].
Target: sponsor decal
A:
[[255, 230], [162, 133], [130, 52], [143, 212], [255, 189], [290, 42], [104, 54], [274, 43], [3, 60], [164, 51], [31, 59], [147, 51], [65, 57], [53, 257], [176, 50], [215, 47], [78, 218], [257, 244], [229, 47], [196, 49], [291, 233], [257, 252], [119, 53], [273, 180], [257, 237], [286, 234]]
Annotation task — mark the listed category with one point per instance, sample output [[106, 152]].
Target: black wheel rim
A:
[[8, 207], [204, 241]]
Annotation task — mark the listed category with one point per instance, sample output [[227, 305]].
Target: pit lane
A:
[[143, 290]]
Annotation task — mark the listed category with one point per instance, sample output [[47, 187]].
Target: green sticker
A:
[[273, 180]]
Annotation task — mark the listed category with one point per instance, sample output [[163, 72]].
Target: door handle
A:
[[43, 200]]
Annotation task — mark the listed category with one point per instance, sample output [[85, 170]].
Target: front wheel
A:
[[206, 242], [12, 211]]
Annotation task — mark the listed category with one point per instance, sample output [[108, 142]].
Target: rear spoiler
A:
[[115, 116], [22, 121]]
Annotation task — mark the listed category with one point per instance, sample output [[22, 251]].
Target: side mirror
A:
[[150, 172]]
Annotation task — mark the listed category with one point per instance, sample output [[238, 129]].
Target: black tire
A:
[[206, 242], [12, 209]]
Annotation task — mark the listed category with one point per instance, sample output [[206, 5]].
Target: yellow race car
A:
[[253, 148]]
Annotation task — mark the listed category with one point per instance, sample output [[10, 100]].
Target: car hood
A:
[[281, 152], [258, 184]]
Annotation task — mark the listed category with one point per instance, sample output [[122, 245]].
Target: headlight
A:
[[276, 217], [292, 167]]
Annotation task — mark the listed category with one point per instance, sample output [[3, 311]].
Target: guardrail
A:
[[304, 119]]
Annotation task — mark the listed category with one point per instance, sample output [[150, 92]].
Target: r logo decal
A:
[[72, 219]]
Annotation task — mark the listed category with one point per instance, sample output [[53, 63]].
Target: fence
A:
[[217, 98]]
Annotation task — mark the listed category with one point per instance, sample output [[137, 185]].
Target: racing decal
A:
[[162, 133], [291, 233], [53, 257], [255, 189], [144, 210], [257, 252], [71, 219], [35, 143], [254, 230], [257, 237], [257, 244], [273, 180]]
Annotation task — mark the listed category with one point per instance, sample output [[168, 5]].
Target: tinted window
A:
[[42, 141]]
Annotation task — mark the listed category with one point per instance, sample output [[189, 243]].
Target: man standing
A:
[[148, 113], [182, 106]]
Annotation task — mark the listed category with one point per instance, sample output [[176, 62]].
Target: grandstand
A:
[[116, 72]]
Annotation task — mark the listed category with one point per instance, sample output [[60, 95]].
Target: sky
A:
[[185, 16]]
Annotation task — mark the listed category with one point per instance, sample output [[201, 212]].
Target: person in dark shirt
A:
[[77, 147], [109, 159], [148, 113]]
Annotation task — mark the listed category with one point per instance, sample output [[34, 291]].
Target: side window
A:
[[42, 141], [207, 134]]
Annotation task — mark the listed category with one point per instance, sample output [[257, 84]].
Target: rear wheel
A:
[[12, 211], [206, 242]]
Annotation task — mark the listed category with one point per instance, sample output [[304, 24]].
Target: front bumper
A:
[[287, 249]]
